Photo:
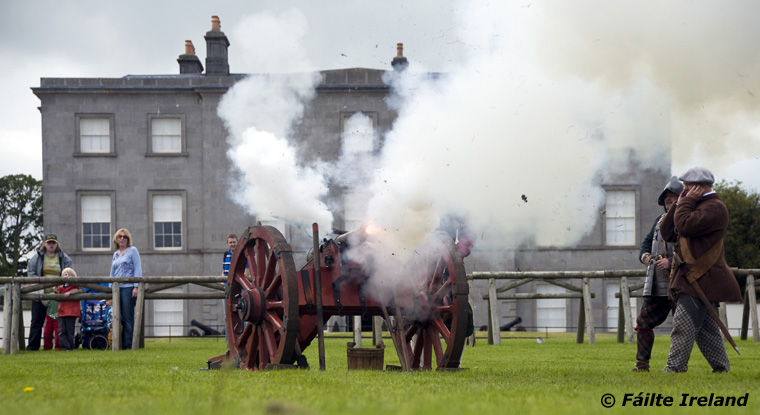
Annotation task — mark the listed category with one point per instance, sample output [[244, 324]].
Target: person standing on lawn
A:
[[68, 311], [698, 223], [656, 254]]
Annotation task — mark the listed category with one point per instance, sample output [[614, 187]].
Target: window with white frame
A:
[[358, 133], [166, 135], [620, 217], [550, 312], [95, 134], [167, 221], [168, 315], [354, 209], [613, 307], [96, 222]]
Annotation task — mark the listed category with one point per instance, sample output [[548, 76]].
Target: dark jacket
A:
[[34, 269], [703, 222], [657, 280]]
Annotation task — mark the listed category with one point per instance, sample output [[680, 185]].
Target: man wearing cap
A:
[[657, 255], [48, 261], [698, 224]]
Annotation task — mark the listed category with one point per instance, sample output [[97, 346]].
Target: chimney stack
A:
[[189, 62], [399, 63], [216, 50]]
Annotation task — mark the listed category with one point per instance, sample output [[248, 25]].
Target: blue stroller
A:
[[96, 324]]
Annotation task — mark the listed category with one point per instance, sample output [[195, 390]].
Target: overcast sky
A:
[[45, 38]]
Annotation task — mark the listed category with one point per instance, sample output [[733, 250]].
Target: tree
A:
[[742, 240], [20, 221]]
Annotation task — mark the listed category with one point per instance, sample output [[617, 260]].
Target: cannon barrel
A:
[[508, 326], [207, 331]]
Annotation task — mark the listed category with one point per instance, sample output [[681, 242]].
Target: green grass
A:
[[520, 376]]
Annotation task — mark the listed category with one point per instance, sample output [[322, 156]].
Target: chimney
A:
[[189, 62], [216, 50], [399, 63]]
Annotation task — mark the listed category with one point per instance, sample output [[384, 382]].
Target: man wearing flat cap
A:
[[657, 255], [48, 261], [698, 224]]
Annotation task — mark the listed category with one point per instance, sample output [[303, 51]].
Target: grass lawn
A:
[[520, 376]]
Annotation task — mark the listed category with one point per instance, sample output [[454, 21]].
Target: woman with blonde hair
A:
[[126, 263]]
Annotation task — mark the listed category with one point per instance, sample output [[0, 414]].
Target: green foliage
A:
[[742, 241], [20, 220], [520, 376]]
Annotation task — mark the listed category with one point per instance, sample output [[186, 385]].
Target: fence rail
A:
[[514, 279], [18, 289]]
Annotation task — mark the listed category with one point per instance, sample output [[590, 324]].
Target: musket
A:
[[710, 308]]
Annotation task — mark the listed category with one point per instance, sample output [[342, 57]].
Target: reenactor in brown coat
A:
[[698, 224]]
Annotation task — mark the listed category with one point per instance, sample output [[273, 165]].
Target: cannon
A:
[[204, 330], [508, 326], [271, 308]]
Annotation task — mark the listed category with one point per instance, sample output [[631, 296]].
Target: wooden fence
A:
[[515, 279], [18, 289]]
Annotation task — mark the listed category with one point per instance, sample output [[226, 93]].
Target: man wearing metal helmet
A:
[[698, 224], [657, 255]]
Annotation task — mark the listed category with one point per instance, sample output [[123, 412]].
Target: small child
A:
[[68, 311], [51, 326]]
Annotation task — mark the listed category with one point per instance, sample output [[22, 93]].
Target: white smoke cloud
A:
[[702, 56], [548, 99], [259, 112]]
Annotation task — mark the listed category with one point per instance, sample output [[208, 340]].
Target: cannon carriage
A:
[[272, 309]]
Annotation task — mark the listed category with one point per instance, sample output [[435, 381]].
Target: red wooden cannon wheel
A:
[[443, 334], [262, 312]]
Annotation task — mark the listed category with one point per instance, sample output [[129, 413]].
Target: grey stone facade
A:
[[131, 174]]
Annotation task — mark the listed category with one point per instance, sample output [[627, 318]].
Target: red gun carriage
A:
[[272, 309]]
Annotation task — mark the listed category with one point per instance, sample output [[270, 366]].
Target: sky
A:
[[619, 80]]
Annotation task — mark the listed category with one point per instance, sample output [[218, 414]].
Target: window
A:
[[358, 133], [354, 209], [550, 312], [168, 315], [620, 222], [166, 135], [167, 221], [613, 307], [96, 222], [94, 134]]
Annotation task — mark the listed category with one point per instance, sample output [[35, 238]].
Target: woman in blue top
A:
[[126, 263]]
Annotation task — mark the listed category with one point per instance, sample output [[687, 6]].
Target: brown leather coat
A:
[[703, 222]]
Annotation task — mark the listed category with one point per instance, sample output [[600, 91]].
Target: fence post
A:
[[494, 311], [722, 316], [589, 315], [745, 315], [581, 322], [621, 319], [358, 331], [139, 310], [116, 321], [753, 307], [625, 295], [17, 325], [471, 338], [7, 318], [377, 330]]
